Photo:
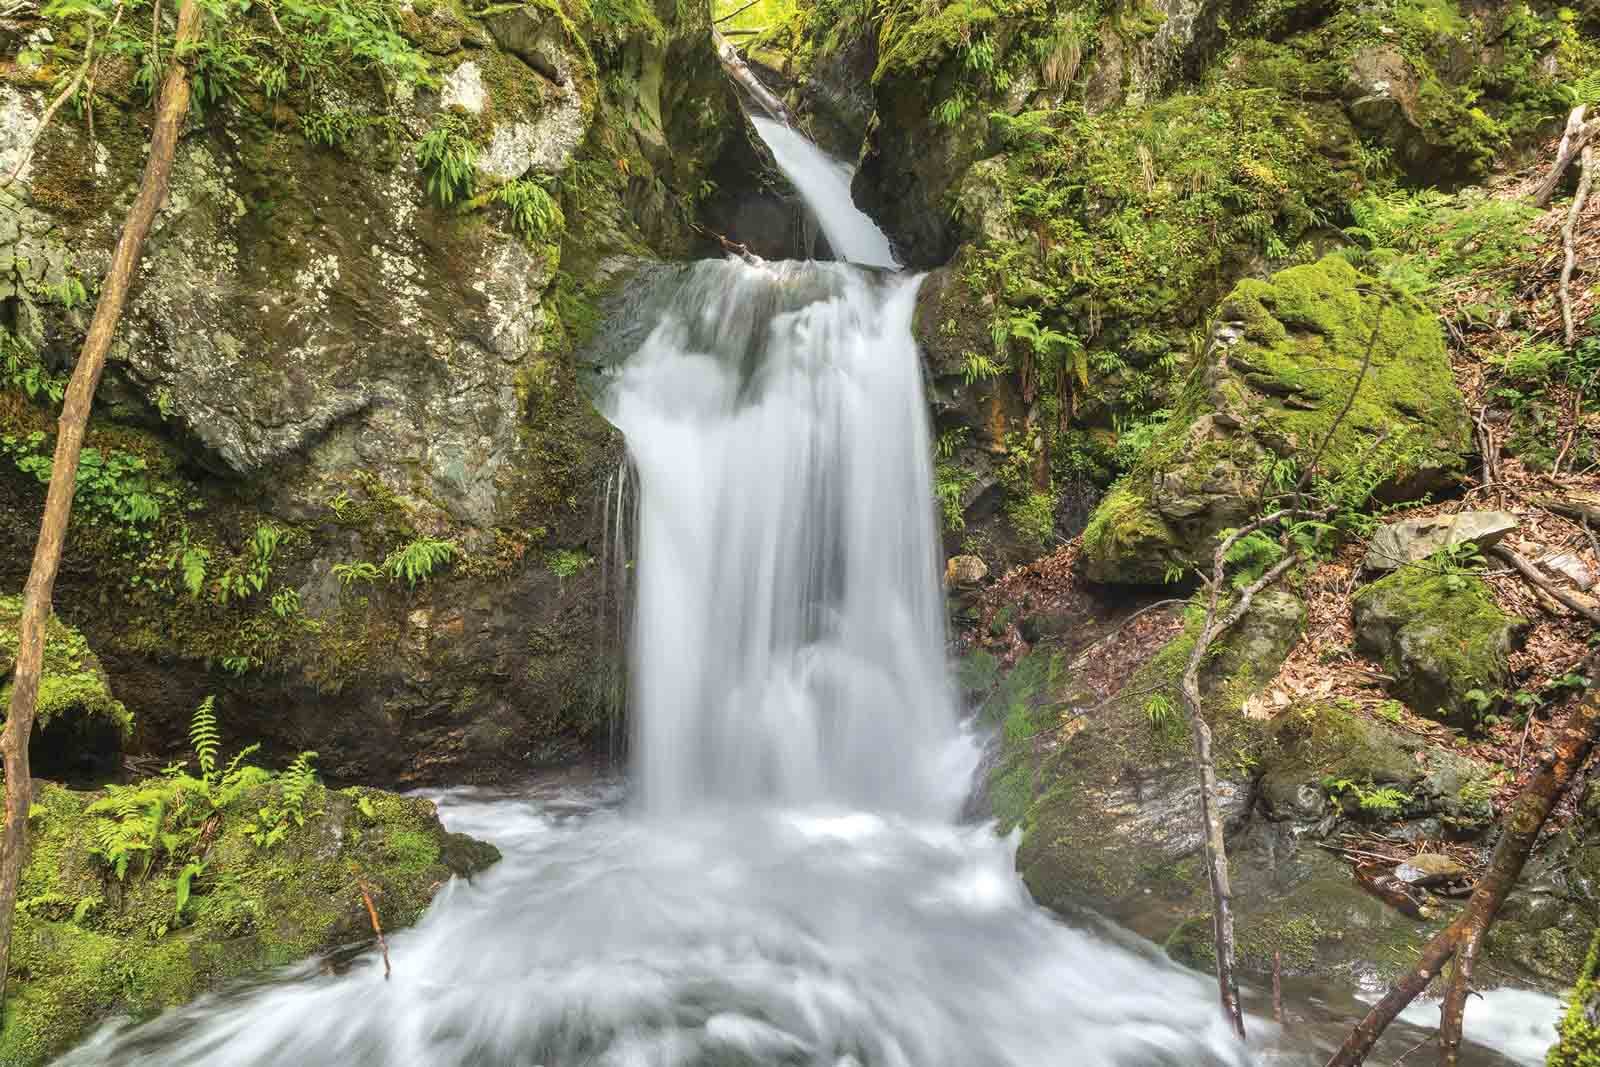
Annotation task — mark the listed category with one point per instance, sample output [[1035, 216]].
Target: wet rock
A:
[[1428, 869], [1442, 639], [1413, 540]]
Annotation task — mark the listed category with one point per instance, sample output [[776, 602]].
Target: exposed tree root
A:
[[1576, 135]]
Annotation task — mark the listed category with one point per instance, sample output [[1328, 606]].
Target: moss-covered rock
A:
[[79, 725], [1106, 805], [1579, 1045], [1442, 638], [1285, 358], [88, 945]]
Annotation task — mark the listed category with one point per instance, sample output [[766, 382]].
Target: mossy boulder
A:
[[89, 945], [79, 726], [1442, 638], [1271, 391]]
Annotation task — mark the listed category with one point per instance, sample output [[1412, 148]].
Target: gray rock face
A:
[[1414, 540]]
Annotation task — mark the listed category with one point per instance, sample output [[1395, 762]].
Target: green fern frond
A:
[[204, 736]]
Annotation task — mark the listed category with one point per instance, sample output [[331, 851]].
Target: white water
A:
[[795, 891], [824, 182]]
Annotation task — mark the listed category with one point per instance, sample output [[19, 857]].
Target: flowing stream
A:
[[784, 880]]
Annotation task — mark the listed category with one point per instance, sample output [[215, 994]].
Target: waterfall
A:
[[824, 184], [796, 891], [788, 642]]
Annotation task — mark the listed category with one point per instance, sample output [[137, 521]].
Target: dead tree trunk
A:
[[170, 112], [1569, 241], [741, 73], [1573, 139], [1519, 830]]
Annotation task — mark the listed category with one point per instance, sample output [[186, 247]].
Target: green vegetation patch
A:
[[73, 681]]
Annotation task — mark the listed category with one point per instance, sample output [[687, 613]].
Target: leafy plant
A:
[[417, 560], [358, 571], [535, 215], [448, 157], [566, 562]]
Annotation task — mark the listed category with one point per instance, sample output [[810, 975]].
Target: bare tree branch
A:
[[1539, 581]]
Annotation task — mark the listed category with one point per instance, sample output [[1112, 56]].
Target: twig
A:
[[738, 11], [94, 73], [50, 112], [1527, 728], [377, 927], [1569, 242], [1539, 581]]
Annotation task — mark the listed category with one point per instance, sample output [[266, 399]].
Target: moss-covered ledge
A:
[[1285, 356], [89, 945]]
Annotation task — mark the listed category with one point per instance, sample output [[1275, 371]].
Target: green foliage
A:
[[276, 818], [21, 370], [417, 560], [1160, 712], [950, 483], [535, 214], [1385, 802], [1034, 518], [447, 157], [356, 571], [113, 486], [566, 562], [143, 825]]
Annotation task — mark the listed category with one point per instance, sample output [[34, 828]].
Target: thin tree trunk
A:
[[173, 106], [1519, 831], [1572, 141], [1569, 239], [1211, 827]]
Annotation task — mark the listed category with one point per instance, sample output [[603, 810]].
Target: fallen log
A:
[[745, 78], [1573, 138]]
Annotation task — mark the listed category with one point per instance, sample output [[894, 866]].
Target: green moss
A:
[[1443, 639], [1307, 332], [1579, 1043], [1126, 541], [88, 944], [72, 681]]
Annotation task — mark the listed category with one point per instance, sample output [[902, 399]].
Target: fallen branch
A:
[[1539, 581], [377, 927], [745, 78], [1569, 234], [1519, 830], [1573, 138]]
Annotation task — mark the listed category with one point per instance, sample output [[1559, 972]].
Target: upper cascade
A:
[[824, 183]]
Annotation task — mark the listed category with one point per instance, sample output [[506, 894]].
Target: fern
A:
[[186, 877], [204, 737], [416, 561], [298, 782]]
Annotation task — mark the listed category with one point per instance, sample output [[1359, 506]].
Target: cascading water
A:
[[789, 637], [796, 892]]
